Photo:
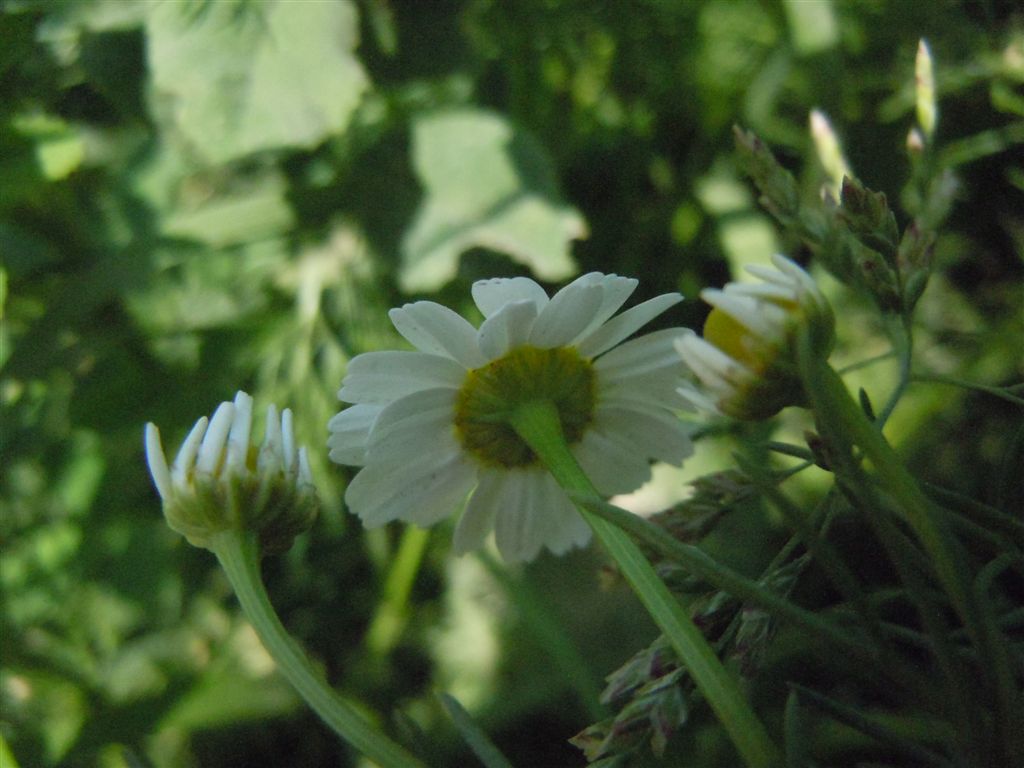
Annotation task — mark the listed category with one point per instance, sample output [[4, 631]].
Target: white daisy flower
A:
[[745, 362], [429, 427], [221, 480]]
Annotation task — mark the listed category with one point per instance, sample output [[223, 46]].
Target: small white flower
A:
[[745, 362], [221, 480], [428, 426]]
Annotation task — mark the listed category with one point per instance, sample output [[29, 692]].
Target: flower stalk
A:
[[238, 553], [537, 423]]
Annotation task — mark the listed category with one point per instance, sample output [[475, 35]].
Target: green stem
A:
[[393, 611], [1000, 392], [903, 344], [846, 424], [238, 553], [537, 423], [701, 564]]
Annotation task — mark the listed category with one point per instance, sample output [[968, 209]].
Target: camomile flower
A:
[[222, 480], [429, 427], [746, 362]]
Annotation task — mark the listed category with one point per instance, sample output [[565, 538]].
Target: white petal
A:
[[764, 292], [507, 328], [657, 390], [770, 275], [626, 324], [710, 363], [413, 425], [380, 377], [212, 450], [305, 474], [271, 455], [157, 462], [763, 319], [699, 400], [288, 439], [796, 273], [238, 437], [567, 528], [438, 330], [610, 465], [636, 402], [615, 291], [478, 518], [350, 432], [183, 462], [567, 315], [643, 356], [659, 436], [492, 295], [519, 526], [421, 492], [534, 513]]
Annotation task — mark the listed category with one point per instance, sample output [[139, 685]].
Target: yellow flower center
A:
[[526, 374], [734, 339]]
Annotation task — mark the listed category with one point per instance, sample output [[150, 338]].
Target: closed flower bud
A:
[[221, 480]]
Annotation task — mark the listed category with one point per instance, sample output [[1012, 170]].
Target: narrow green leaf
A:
[[473, 734], [874, 726]]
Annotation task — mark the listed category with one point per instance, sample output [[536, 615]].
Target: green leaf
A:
[[240, 78], [486, 184], [474, 735], [59, 150]]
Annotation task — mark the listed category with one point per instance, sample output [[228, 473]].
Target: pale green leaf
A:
[[486, 185], [240, 78]]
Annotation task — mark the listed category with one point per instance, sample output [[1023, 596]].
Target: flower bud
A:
[[221, 480], [830, 152], [924, 91]]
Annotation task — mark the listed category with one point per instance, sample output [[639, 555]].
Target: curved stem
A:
[[538, 425], [238, 553]]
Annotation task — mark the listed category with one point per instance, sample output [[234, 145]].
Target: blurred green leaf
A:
[[239, 685], [255, 212], [59, 149], [486, 185], [237, 78], [46, 703]]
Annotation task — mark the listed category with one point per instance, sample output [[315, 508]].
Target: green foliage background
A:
[[197, 197]]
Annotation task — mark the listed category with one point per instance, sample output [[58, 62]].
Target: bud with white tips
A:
[[220, 480], [924, 91], [829, 151]]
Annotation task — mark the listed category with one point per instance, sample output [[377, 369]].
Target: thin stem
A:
[[1000, 392], [393, 610], [238, 553], [705, 567], [904, 347], [537, 423]]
